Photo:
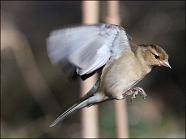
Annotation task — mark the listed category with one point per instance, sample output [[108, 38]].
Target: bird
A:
[[81, 51]]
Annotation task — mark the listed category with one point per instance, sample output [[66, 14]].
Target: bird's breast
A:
[[121, 74]]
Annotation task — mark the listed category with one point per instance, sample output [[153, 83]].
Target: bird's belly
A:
[[120, 77], [120, 84]]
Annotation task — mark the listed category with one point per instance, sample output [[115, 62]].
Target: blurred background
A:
[[34, 92]]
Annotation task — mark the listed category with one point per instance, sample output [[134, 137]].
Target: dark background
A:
[[34, 92]]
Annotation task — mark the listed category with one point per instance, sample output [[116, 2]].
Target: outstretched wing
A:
[[85, 49]]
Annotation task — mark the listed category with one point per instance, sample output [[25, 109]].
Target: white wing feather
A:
[[86, 48]]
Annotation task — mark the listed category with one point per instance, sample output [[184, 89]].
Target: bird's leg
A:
[[134, 92], [141, 91]]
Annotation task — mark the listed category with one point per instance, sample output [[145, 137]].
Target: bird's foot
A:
[[141, 91], [134, 92]]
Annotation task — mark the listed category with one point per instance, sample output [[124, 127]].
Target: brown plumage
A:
[[156, 50], [130, 68], [127, 65]]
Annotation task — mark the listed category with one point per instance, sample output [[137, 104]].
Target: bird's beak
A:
[[165, 63]]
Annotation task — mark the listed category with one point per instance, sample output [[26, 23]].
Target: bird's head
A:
[[154, 55]]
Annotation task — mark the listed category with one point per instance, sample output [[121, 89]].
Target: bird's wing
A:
[[86, 48]]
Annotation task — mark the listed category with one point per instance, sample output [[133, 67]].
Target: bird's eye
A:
[[156, 56]]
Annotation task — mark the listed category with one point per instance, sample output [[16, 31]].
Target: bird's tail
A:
[[70, 111], [91, 98]]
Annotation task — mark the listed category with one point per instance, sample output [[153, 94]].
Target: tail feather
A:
[[87, 100], [70, 111]]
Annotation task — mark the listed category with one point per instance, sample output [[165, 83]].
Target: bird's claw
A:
[[134, 92], [141, 91]]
